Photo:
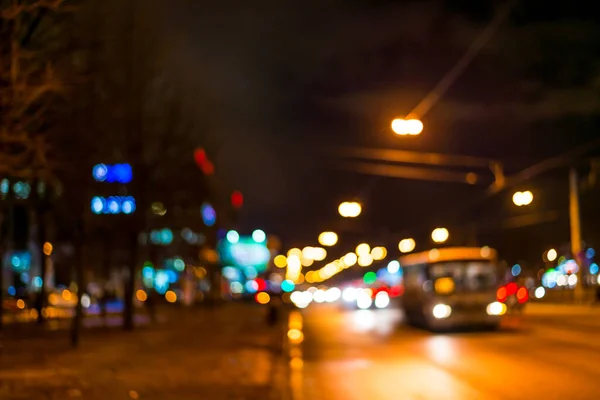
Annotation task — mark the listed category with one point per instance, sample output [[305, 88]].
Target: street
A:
[[550, 352]]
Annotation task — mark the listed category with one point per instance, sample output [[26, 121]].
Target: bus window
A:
[[467, 276]]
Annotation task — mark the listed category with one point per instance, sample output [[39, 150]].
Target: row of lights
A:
[[363, 256], [113, 205], [259, 236]]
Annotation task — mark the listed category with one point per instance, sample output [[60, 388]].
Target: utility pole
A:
[[575, 223]]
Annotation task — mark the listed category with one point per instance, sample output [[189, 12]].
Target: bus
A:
[[452, 287]]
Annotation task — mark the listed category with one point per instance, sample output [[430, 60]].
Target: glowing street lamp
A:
[[522, 198], [403, 127], [363, 249], [440, 235], [378, 253], [328, 238], [350, 209], [407, 245], [551, 255]]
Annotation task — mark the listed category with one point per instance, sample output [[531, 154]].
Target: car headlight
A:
[[441, 311], [496, 308]]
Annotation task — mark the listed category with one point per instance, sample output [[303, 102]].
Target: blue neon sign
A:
[[119, 173], [113, 205]]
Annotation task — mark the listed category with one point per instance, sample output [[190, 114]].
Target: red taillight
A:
[[522, 295], [501, 294], [511, 288], [396, 291]]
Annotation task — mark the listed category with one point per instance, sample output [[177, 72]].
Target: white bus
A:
[[451, 287]]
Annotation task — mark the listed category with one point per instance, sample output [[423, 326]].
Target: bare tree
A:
[[29, 85]]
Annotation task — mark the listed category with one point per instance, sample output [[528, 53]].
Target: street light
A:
[[551, 255], [350, 209], [328, 238], [522, 198], [440, 235], [406, 245], [378, 253], [403, 127], [363, 249]]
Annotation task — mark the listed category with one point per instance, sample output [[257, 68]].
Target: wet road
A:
[[549, 352]]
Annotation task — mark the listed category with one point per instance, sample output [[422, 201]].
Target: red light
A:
[[237, 199], [203, 162], [511, 288], [522, 295], [262, 284], [396, 291], [200, 156], [501, 294]]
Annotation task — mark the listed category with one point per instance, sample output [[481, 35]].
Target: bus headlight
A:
[[441, 311], [496, 308]]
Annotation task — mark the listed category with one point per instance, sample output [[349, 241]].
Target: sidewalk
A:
[[229, 353], [535, 308]]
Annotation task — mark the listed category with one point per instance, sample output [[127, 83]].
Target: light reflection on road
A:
[[382, 322], [371, 354]]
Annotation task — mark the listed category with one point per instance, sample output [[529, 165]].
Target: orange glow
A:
[[66, 295], [141, 295], [402, 126], [295, 335], [263, 298], [53, 299], [20, 304], [47, 248], [171, 296], [522, 295], [501, 294], [200, 272], [296, 363], [444, 285], [295, 320]]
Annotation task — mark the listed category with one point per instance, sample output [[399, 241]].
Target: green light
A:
[[179, 264], [370, 278]]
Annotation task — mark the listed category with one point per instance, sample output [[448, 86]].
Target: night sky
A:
[[276, 85]]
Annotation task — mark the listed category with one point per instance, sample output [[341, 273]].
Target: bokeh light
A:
[[350, 209], [365, 260], [363, 249], [262, 298], [378, 253], [440, 235], [259, 236], [328, 239], [393, 267], [280, 261], [406, 245], [233, 237], [551, 255]]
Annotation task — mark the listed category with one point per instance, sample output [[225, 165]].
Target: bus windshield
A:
[[468, 276]]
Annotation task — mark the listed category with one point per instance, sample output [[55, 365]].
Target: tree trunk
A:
[[79, 271], [128, 312], [41, 298]]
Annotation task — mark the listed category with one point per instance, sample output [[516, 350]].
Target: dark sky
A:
[[277, 83]]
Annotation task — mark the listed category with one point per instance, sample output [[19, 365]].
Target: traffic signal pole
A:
[[575, 225]]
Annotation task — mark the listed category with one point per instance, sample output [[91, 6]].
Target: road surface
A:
[[549, 352]]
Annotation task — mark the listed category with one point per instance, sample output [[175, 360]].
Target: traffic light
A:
[[237, 199], [203, 162]]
